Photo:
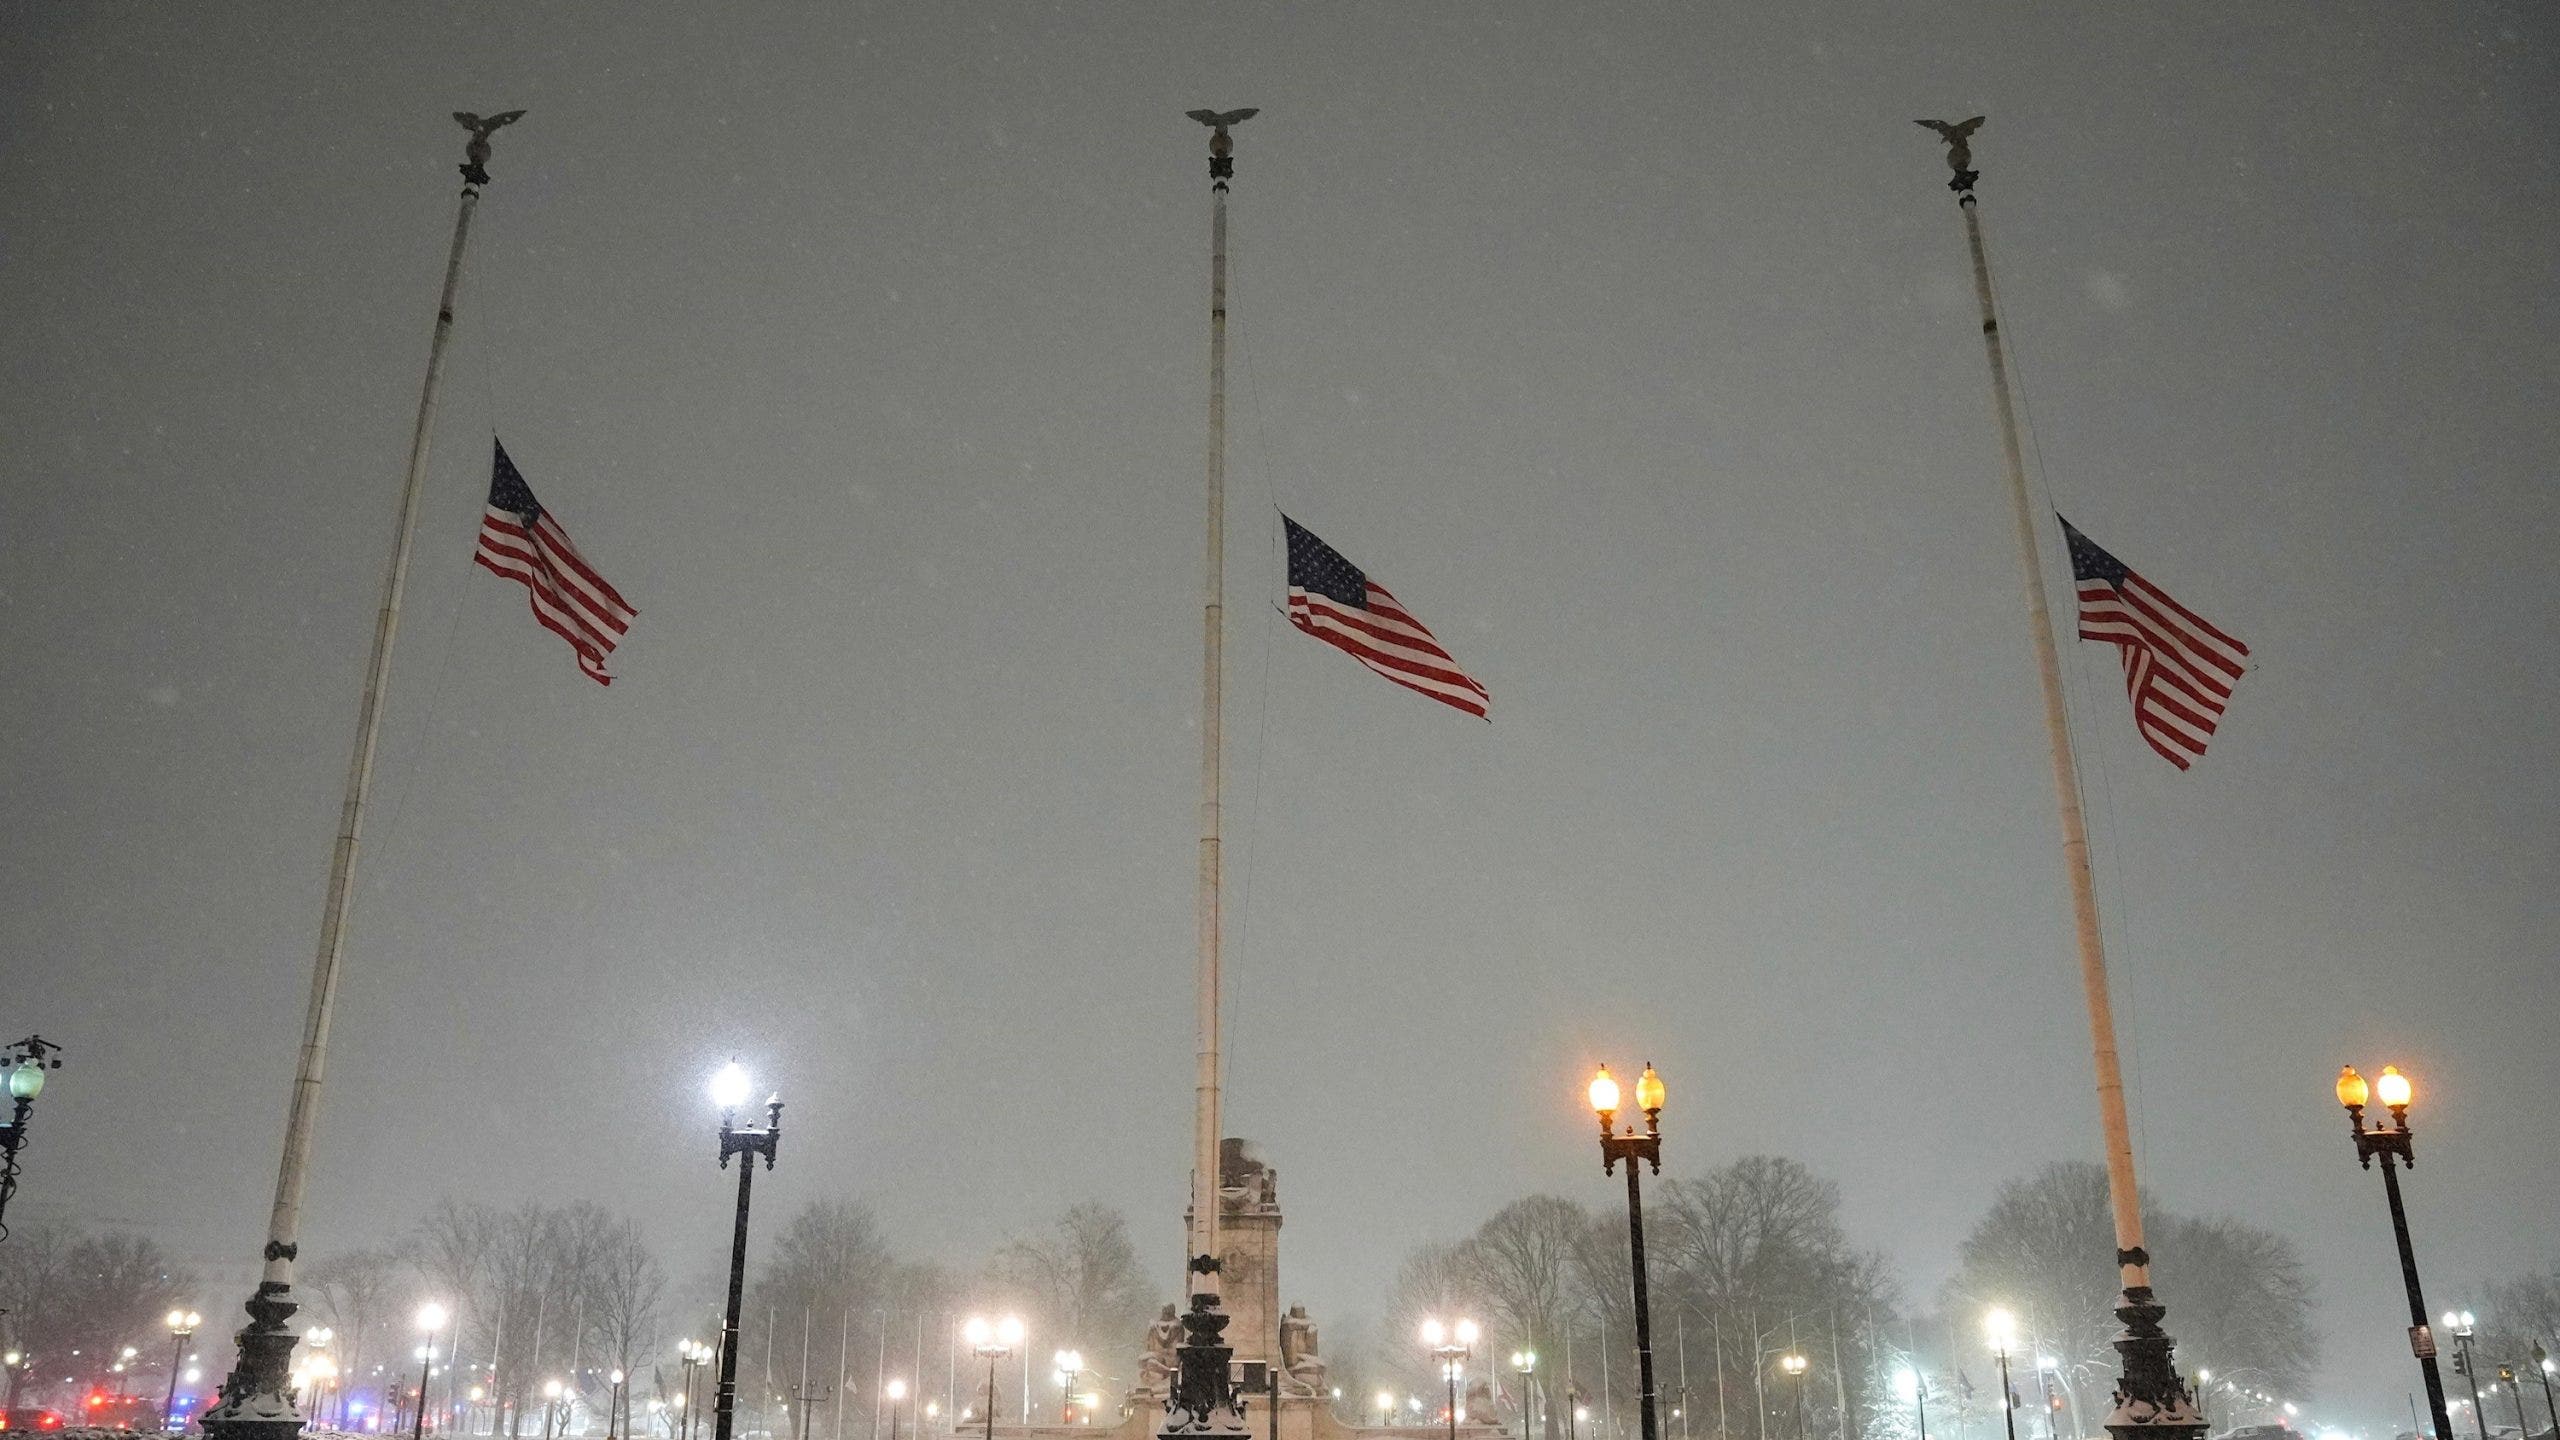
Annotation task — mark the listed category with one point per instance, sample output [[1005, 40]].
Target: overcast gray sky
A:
[[861, 347]]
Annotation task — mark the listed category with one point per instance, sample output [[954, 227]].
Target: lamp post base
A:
[[1203, 1402], [2151, 1401], [258, 1402]]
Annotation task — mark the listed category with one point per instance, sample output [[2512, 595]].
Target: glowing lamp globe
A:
[[1009, 1330], [2352, 1091], [977, 1331], [1906, 1385], [1604, 1092], [27, 1081], [731, 1086], [1648, 1090], [2394, 1087], [431, 1316], [2001, 1327], [897, 1389], [1467, 1332], [1434, 1333]]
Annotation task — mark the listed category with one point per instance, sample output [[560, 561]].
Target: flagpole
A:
[[1205, 1108], [1202, 1398], [2151, 1398], [257, 1401]]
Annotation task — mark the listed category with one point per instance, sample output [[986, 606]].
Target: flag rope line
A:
[[2117, 930]]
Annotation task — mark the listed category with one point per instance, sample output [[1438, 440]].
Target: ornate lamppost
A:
[[2391, 1142], [2464, 1325], [1632, 1147], [182, 1324], [430, 1319], [896, 1390], [1795, 1365], [1451, 1344], [1524, 1363], [690, 1354], [1068, 1364], [612, 1404], [2002, 1329], [26, 1062], [729, 1090], [1908, 1386], [992, 1340]]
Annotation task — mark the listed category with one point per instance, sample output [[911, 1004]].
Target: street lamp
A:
[[2002, 1329], [612, 1403], [2390, 1141], [1386, 1407], [431, 1320], [551, 1392], [323, 1371], [729, 1090], [182, 1323], [1523, 1364], [994, 1341], [2463, 1324], [1913, 1391], [26, 1061], [1452, 1344], [896, 1390], [1069, 1364], [318, 1338], [1795, 1365], [1632, 1147], [691, 1354]]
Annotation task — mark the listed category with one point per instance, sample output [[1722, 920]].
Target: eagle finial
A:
[[1222, 165], [475, 157], [1959, 138]]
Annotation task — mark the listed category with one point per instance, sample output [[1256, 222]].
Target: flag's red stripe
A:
[[558, 541], [538, 580], [1416, 638], [1325, 625], [1459, 690], [2154, 592]]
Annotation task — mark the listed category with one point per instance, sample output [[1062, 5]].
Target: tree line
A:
[[1749, 1263]]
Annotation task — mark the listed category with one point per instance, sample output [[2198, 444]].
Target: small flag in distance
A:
[[521, 541], [1331, 599], [2178, 669]]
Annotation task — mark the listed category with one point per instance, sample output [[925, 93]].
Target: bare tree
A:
[[358, 1294], [2046, 1250], [627, 1291], [36, 1283], [1081, 1279], [2244, 1302]]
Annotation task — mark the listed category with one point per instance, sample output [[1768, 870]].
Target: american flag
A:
[[521, 541], [2177, 668], [1330, 599]]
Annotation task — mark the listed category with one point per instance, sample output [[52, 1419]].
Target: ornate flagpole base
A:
[[1203, 1402], [2151, 1401], [258, 1402]]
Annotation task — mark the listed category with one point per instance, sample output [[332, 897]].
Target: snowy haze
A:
[[862, 349]]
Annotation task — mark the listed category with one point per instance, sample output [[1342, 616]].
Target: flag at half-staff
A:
[[1331, 599], [2178, 669], [521, 541]]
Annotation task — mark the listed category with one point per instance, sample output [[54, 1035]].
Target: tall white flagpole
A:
[[257, 1401], [1202, 1398], [2151, 1399]]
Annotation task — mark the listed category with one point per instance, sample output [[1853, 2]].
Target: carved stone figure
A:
[[1156, 1366]]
